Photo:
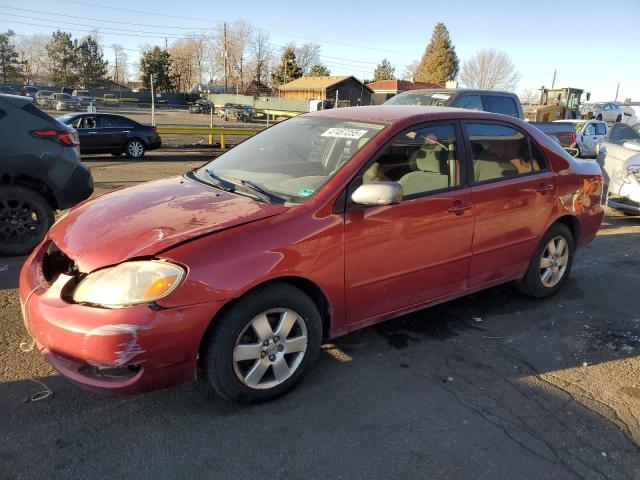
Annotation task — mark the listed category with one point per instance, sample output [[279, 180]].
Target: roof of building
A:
[[315, 83], [400, 85]]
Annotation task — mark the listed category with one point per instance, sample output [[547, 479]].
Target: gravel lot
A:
[[491, 386]]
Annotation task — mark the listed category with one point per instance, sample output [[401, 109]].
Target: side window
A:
[[601, 129], [114, 122], [89, 122], [470, 102], [422, 160], [539, 161], [501, 104], [499, 151], [590, 130]]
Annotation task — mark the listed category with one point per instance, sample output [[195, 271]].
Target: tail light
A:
[[154, 129], [67, 138], [574, 139]]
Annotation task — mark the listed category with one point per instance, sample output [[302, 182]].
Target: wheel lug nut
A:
[[275, 339], [280, 347], [265, 343], [272, 358]]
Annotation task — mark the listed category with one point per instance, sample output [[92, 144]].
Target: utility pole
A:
[[224, 26], [165, 44], [553, 82], [617, 90], [153, 102]]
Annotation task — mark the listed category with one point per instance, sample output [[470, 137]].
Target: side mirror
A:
[[378, 193]]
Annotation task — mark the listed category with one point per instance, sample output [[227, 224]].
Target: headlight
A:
[[634, 172], [130, 283]]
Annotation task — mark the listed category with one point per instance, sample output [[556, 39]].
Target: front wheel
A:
[[134, 148], [263, 345], [551, 263], [25, 218]]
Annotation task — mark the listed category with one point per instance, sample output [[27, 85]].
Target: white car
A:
[[619, 157], [609, 111], [589, 134]]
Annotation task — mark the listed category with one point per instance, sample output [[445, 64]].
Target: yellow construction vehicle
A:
[[556, 104]]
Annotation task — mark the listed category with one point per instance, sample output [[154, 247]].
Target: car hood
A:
[[149, 218]]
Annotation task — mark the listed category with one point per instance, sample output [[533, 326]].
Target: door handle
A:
[[458, 207], [545, 188]]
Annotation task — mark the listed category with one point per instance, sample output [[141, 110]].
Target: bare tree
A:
[[35, 61], [261, 52], [490, 69], [119, 68], [307, 56], [238, 41], [410, 70], [530, 96]]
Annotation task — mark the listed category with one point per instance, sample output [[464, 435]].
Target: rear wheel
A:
[[551, 263], [25, 218], [134, 148], [263, 345]]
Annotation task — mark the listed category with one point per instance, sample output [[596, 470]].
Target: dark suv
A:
[[40, 172]]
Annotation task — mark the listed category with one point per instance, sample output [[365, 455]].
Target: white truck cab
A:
[[589, 134]]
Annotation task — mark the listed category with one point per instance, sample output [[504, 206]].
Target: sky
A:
[[591, 45]]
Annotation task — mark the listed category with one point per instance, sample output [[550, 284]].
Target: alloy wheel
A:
[[270, 348], [135, 148], [18, 221], [554, 261]]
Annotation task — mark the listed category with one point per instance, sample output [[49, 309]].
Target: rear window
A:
[[33, 110], [621, 133], [501, 104]]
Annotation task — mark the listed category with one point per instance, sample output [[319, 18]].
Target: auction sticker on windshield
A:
[[441, 96], [353, 133]]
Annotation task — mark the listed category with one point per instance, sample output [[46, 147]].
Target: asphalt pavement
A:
[[491, 386]]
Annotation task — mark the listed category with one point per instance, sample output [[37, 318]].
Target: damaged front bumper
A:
[[118, 351]]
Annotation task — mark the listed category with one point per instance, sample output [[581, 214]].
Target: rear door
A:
[[115, 130], [399, 256], [513, 191]]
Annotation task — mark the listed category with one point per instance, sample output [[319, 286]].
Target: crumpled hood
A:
[[148, 218]]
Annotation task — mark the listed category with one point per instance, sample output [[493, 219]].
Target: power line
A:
[[265, 29]]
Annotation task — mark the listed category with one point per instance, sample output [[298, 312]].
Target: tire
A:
[[134, 148], [619, 119], [25, 218], [532, 283], [232, 378], [599, 117]]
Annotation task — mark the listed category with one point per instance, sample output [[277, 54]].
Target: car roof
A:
[[458, 90], [15, 100], [395, 113]]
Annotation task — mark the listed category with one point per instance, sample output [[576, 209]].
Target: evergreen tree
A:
[[287, 70], [384, 71], [318, 70], [61, 50], [439, 62], [9, 64], [91, 65], [156, 62]]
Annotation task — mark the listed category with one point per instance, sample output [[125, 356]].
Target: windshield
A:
[[63, 95], [430, 99], [82, 93], [293, 159], [621, 133]]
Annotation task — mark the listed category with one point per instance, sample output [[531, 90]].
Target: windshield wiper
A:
[[264, 194], [221, 183]]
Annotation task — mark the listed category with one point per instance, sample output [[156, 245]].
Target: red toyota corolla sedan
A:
[[320, 225]]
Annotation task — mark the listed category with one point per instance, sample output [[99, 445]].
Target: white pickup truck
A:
[[589, 134]]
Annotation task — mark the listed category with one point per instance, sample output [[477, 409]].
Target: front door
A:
[[88, 133], [403, 255], [513, 192]]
